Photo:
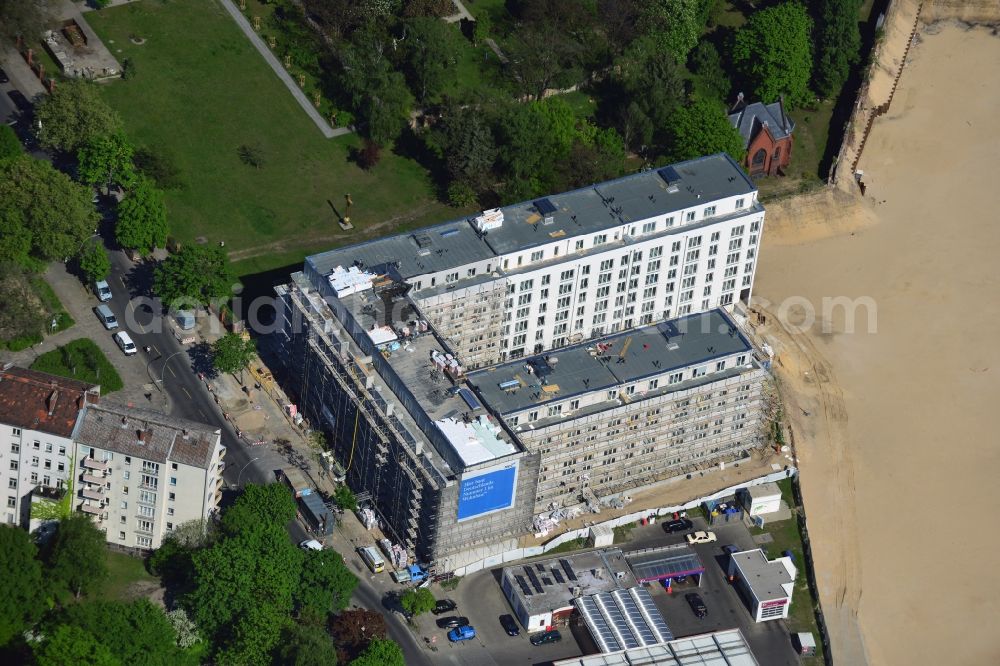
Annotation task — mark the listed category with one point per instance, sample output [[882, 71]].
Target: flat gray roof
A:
[[667, 562], [587, 210], [608, 362], [427, 250], [628, 199], [764, 577], [549, 585]]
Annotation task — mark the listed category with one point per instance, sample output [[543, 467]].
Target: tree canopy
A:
[[380, 652], [379, 94], [417, 601], [838, 43], [107, 159], [306, 645], [142, 218], [430, 54], [43, 213], [198, 274], [23, 600], [354, 629], [326, 584], [773, 52], [76, 555], [674, 25], [702, 128], [231, 353], [74, 115], [18, 17], [10, 145], [94, 261], [72, 645]]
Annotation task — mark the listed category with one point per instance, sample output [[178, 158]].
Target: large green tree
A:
[[107, 159], [43, 213], [306, 645], [10, 145], [326, 584], [379, 94], [72, 645], [838, 43], [94, 261], [142, 218], [674, 25], [137, 633], [196, 274], [23, 600], [231, 353], [73, 115], [76, 556], [773, 53], [702, 128], [430, 56], [380, 652], [24, 17], [417, 601]]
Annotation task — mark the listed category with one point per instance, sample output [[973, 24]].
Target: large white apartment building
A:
[[140, 474], [564, 268], [38, 413], [569, 350]]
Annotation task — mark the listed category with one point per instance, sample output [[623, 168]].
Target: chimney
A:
[[739, 105], [124, 422], [53, 401], [143, 436]]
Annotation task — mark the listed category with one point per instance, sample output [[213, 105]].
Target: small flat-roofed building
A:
[[718, 648], [766, 586], [761, 499], [542, 593], [666, 564]]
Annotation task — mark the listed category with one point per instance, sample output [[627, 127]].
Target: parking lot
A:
[[480, 598]]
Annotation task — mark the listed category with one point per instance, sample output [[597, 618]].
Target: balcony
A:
[[222, 452], [93, 480], [92, 494], [222, 467], [90, 463], [92, 510]]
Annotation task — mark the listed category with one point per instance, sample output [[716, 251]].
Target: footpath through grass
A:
[[199, 93], [83, 361], [123, 571]]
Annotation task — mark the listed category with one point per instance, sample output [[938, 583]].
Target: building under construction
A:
[[555, 353]]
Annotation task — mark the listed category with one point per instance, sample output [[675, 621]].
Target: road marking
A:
[[153, 347], [186, 393], [124, 286], [172, 374], [202, 412], [130, 307]]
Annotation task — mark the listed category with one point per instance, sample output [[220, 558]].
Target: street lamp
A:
[[240, 475]]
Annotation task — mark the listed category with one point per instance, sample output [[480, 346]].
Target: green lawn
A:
[[812, 131], [123, 570], [200, 92], [53, 307], [81, 360]]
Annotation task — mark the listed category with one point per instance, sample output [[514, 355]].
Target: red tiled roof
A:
[[38, 401]]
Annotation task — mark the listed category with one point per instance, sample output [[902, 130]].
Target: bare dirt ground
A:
[[898, 453]]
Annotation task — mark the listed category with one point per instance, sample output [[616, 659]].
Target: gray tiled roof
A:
[[751, 118], [163, 438]]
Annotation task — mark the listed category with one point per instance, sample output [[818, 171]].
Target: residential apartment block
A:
[[138, 473], [552, 353], [38, 414]]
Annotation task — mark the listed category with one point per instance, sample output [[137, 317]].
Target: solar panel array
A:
[[525, 590], [534, 579], [623, 619], [558, 576], [568, 568]]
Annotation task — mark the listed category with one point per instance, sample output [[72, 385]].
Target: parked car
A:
[[444, 606], [701, 537], [546, 637], [125, 343], [680, 525], [730, 549], [509, 625], [311, 544], [106, 316], [696, 604], [20, 101], [3, 77], [463, 633], [452, 622], [102, 290]]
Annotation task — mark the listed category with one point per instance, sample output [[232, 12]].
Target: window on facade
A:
[[11, 502], [689, 216]]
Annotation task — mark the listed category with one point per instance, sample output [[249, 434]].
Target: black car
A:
[[3, 77], [444, 606], [680, 525], [696, 604], [546, 637], [509, 625], [452, 621], [20, 101]]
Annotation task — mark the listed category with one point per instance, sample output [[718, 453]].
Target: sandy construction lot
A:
[[899, 453]]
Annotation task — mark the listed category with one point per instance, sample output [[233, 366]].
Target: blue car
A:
[[464, 633]]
